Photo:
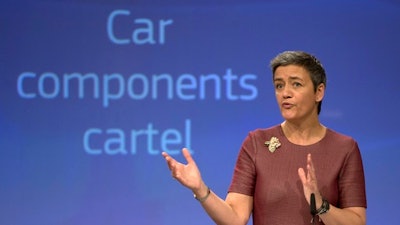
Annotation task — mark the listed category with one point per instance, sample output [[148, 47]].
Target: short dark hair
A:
[[305, 60]]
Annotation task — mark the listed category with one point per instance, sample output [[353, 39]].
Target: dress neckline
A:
[[327, 130]]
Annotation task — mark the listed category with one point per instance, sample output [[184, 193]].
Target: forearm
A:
[[346, 216], [219, 210]]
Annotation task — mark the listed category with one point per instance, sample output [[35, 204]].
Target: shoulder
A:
[[340, 140], [264, 132], [257, 137], [337, 136]]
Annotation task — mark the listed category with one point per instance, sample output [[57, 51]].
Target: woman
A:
[[270, 181]]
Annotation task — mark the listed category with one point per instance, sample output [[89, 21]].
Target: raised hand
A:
[[187, 174], [309, 181]]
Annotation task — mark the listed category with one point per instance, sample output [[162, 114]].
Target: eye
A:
[[278, 85], [297, 84]]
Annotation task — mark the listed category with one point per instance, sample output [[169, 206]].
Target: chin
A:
[[288, 116]]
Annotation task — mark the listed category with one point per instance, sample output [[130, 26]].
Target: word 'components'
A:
[[138, 86]]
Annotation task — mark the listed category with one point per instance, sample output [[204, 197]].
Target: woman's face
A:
[[295, 93]]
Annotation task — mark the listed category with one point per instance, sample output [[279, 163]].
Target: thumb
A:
[[302, 175], [187, 156]]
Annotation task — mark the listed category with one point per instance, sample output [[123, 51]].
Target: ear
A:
[[320, 92]]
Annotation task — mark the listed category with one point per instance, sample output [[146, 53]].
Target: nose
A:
[[286, 92]]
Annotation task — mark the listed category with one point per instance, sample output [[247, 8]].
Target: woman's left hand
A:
[[309, 181]]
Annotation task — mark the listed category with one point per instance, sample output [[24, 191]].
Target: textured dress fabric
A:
[[272, 178]]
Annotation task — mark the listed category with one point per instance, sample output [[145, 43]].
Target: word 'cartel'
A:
[[114, 141]]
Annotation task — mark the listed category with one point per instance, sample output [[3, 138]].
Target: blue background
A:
[[47, 177]]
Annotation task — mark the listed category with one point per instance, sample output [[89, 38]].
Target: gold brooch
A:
[[273, 144]]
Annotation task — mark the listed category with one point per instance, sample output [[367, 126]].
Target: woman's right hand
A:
[[235, 210], [187, 174]]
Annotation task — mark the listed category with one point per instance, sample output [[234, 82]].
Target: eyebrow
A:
[[290, 78]]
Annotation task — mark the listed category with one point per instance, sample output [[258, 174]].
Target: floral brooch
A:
[[272, 144]]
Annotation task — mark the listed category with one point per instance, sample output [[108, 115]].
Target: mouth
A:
[[286, 105]]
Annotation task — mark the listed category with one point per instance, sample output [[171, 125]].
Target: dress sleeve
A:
[[352, 181], [244, 175]]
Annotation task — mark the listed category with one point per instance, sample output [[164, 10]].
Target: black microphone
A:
[[313, 208]]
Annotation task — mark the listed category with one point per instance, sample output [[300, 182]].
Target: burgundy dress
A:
[[272, 178]]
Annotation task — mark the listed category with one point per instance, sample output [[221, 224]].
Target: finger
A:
[[309, 161], [171, 162], [302, 175], [187, 156], [310, 167], [164, 154]]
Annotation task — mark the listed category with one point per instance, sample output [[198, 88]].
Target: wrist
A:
[[324, 207], [201, 198], [200, 190]]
